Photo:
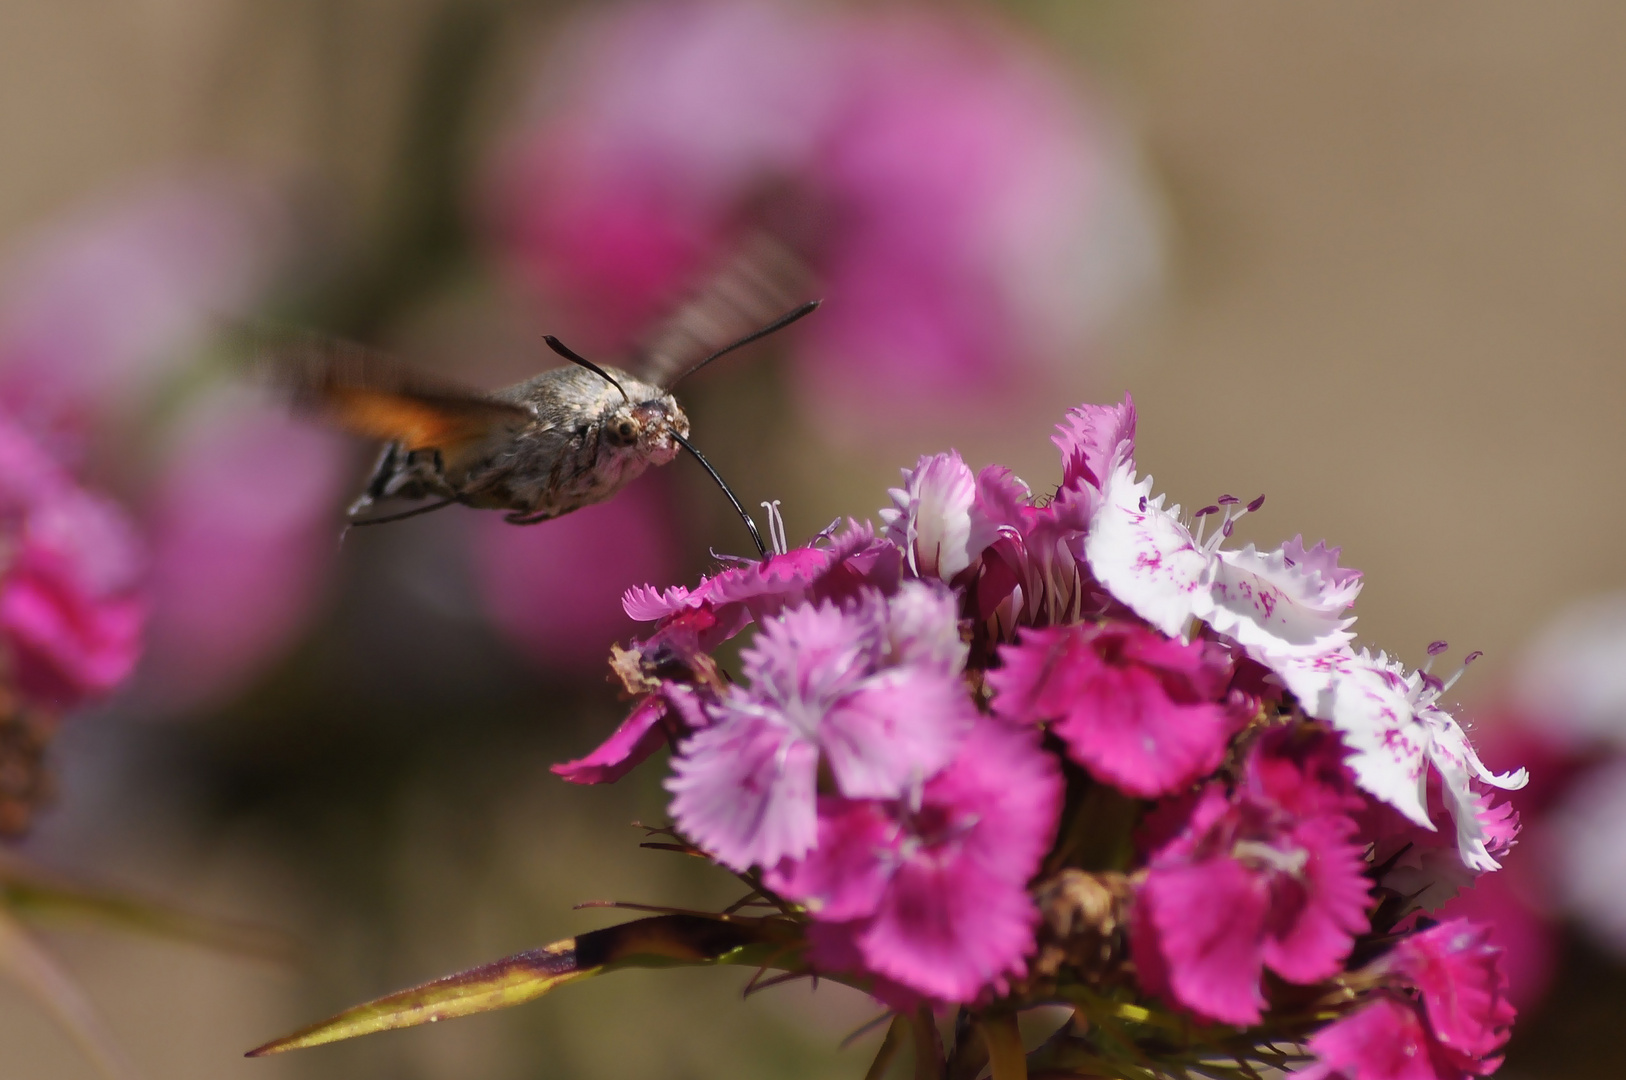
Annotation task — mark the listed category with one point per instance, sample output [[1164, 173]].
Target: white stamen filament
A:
[[776, 528]]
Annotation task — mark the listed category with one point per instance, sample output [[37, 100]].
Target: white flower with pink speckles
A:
[[1289, 602], [1393, 724]]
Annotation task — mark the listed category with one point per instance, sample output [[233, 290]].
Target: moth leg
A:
[[378, 484]]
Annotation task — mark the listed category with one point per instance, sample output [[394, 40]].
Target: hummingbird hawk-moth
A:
[[558, 441]]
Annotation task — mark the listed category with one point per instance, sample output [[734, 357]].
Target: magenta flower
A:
[[1270, 878], [640, 735], [822, 687], [930, 891], [554, 590], [1444, 1016], [1142, 712], [837, 568], [105, 305], [241, 525], [71, 613], [968, 215], [104, 320], [1094, 440]]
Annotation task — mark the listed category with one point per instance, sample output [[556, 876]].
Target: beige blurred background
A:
[[1397, 261]]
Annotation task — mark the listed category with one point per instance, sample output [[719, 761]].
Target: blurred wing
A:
[[758, 285], [375, 395]]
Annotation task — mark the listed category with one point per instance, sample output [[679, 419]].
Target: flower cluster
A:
[[1005, 750]]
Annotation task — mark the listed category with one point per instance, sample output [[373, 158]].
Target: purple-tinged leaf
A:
[[663, 941]]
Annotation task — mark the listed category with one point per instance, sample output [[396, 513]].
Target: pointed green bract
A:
[[663, 941]]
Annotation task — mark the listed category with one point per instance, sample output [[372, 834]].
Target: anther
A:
[[1228, 500], [1254, 506], [1205, 511], [1466, 660], [1435, 648]]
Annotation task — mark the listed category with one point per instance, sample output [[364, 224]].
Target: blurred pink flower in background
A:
[[1564, 714], [555, 589], [105, 304], [70, 565], [106, 318], [971, 215], [243, 528]]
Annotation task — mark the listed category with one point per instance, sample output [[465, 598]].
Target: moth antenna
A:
[[575, 358], [403, 515], [756, 537], [774, 327]]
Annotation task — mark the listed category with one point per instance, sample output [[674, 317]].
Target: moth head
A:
[[647, 427]]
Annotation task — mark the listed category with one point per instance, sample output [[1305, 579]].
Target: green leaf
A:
[[663, 941], [28, 892]]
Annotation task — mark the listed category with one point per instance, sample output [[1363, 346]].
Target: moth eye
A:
[[626, 431]]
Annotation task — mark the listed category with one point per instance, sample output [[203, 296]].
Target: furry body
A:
[[554, 443]]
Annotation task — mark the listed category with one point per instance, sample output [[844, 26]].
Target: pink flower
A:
[[243, 528], [967, 214], [1446, 1014], [553, 589], [835, 568], [1140, 711], [1094, 440], [640, 735], [70, 611], [825, 684], [1387, 1039], [1271, 878], [930, 891], [936, 520], [101, 307], [99, 319]]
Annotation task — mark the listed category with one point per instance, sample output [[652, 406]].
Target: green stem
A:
[[929, 1063], [1005, 1053]]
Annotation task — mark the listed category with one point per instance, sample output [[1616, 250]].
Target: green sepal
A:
[[662, 941]]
